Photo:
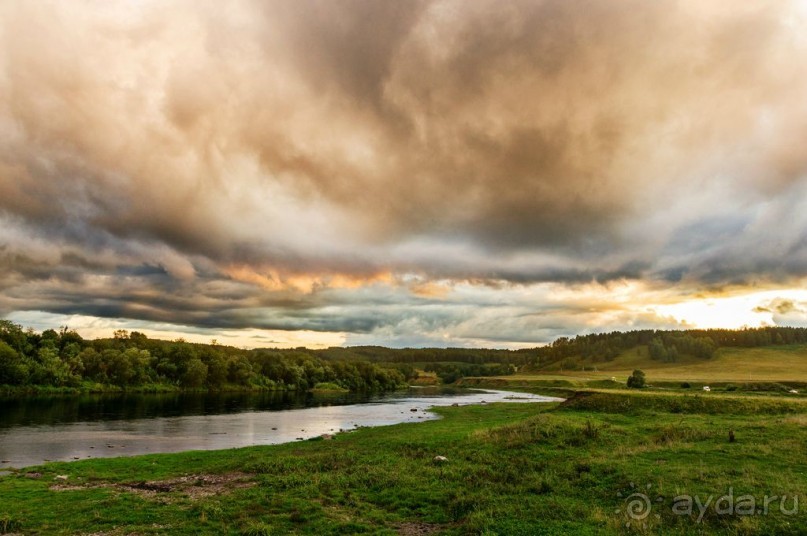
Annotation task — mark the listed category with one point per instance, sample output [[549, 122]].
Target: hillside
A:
[[769, 363], [64, 361]]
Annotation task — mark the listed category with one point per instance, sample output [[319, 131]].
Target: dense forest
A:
[[134, 361], [421, 356], [451, 372], [666, 346]]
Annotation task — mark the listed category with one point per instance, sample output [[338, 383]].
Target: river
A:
[[36, 430]]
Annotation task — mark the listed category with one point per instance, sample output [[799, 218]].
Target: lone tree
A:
[[636, 380]]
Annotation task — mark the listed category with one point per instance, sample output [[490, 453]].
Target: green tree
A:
[[128, 368], [195, 374], [240, 371], [50, 369], [13, 369], [636, 380], [14, 336], [657, 350], [119, 367], [216, 369]]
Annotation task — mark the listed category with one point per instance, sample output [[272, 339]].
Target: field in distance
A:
[[766, 364]]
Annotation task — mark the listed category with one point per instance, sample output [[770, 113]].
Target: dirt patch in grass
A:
[[417, 529], [193, 486], [801, 420], [121, 531]]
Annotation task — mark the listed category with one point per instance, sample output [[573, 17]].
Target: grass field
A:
[[580, 467], [768, 364]]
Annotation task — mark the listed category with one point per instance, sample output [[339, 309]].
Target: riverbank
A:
[[58, 429], [510, 469], [7, 391]]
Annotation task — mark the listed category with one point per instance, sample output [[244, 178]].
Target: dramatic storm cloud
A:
[[417, 172]]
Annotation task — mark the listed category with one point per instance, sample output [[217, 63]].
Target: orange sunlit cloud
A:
[[436, 172]]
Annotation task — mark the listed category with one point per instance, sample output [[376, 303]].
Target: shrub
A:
[[9, 524], [329, 386], [636, 380], [634, 403]]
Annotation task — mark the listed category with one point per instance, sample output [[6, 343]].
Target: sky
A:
[[466, 173]]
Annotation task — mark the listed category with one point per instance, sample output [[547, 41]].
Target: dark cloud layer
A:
[[294, 165]]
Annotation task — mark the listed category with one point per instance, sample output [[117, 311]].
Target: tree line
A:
[[127, 360], [451, 372], [667, 347], [421, 356], [664, 345], [132, 360]]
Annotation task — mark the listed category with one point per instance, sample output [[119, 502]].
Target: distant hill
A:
[[738, 364], [63, 359]]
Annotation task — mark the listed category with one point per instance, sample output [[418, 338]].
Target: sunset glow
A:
[[443, 173]]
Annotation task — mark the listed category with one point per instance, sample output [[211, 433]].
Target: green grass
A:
[[512, 469], [771, 364], [642, 401]]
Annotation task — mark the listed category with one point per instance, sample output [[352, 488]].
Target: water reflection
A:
[[67, 409], [65, 429]]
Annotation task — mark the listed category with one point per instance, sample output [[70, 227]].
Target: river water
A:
[[36, 430]]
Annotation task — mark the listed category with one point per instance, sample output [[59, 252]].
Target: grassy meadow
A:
[[667, 459], [577, 467], [783, 364]]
